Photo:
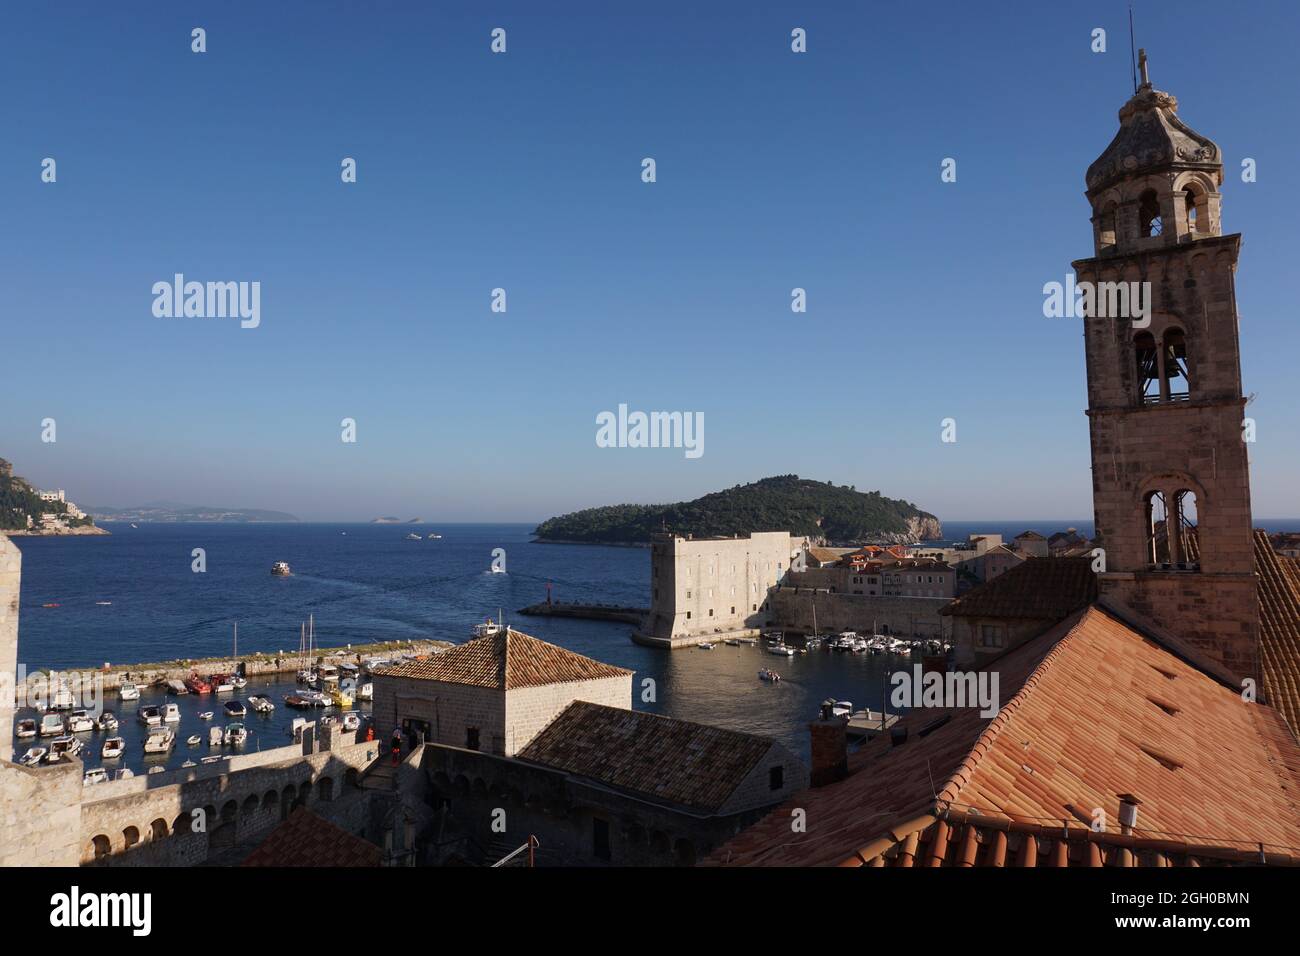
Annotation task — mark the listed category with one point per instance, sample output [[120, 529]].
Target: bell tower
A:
[[1171, 488]]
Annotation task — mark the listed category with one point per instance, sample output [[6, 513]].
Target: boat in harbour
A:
[[197, 685], [160, 740], [768, 675], [351, 720], [781, 650], [260, 704], [221, 684], [52, 725], [33, 756], [63, 748], [194, 740], [433, 537], [705, 646], [113, 748], [205, 715], [413, 537], [281, 568], [171, 714], [80, 722], [235, 708], [366, 691], [488, 628], [235, 735], [94, 775], [149, 716], [26, 728], [108, 721], [128, 691]]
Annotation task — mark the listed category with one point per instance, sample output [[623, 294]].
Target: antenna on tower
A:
[[1131, 45]]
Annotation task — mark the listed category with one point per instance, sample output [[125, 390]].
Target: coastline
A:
[[57, 533]]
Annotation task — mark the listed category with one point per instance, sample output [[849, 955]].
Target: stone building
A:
[[702, 589], [493, 694]]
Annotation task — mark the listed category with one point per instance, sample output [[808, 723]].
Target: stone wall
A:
[[449, 709], [792, 610], [11, 575], [39, 813], [530, 709]]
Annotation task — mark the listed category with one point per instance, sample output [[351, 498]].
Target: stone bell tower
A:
[[1171, 489]]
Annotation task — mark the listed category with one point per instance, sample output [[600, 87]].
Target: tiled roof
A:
[[505, 661], [1092, 709], [1046, 588], [676, 761], [307, 840], [1029, 536], [824, 554], [1279, 629]]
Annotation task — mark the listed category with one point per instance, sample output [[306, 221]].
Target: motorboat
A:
[[366, 691], [768, 675], [239, 683], [158, 769], [213, 759], [197, 685], [194, 740], [235, 735], [149, 716], [496, 569], [107, 721], [205, 715], [94, 775], [113, 747], [26, 729], [488, 628], [414, 537], [235, 708], [177, 687], [281, 568], [260, 704], [160, 740], [433, 537], [326, 675], [52, 725], [189, 763], [62, 699], [352, 720], [214, 736], [780, 650], [732, 642], [33, 756], [842, 708], [171, 714], [340, 697], [63, 748], [128, 691], [221, 684], [705, 646]]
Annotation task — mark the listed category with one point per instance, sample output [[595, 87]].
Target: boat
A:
[[213, 759], [434, 537], [768, 675], [51, 725], [62, 699], [732, 642], [63, 748], [780, 650], [221, 684], [133, 525], [352, 720], [33, 756], [177, 687], [113, 747], [51, 604], [842, 708], [260, 704], [108, 721], [128, 691], [80, 722], [156, 770], [197, 685], [705, 646], [189, 763], [488, 628], [496, 569], [149, 716], [281, 568], [214, 737], [103, 603], [160, 740], [26, 729], [340, 697], [239, 683], [194, 740], [234, 708], [235, 735], [326, 674], [413, 537], [366, 691], [205, 715], [171, 714], [95, 775]]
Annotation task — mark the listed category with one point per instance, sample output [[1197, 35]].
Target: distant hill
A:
[[19, 502], [820, 510], [170, 512]]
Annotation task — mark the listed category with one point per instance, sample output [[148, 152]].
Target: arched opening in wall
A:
[[130, 837], [1178, 382], [325, 789], [270, 799], [1189, 203], [1147, 358], [100, 847], [1149, 222], [158, 829], [250, 805], [1189, 546], [1157, 526], [304, 794], [286, 801], [1106, 226], [182, 824]]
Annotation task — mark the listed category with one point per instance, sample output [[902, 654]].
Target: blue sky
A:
[[522, 171]]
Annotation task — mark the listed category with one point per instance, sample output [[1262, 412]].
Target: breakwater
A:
[[592, 612]]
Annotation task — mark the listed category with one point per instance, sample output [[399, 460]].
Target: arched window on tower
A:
[[1148, 368], [1157, 529], [1186, 552], [1178, 384], [1189, 200], [1149, 222], [1106, 226]]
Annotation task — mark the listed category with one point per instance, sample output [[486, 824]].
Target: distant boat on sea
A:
[[434, 537], [281, 567]]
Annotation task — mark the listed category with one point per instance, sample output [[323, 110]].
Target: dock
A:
[[865, 724], [592, 612]]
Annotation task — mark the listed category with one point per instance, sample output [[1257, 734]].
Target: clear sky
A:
[[523, 171]]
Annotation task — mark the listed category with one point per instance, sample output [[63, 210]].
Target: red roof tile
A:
[[1279, 629], [307, 840], [1037, 588]]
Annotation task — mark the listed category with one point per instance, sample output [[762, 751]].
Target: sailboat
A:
[[236, 681]]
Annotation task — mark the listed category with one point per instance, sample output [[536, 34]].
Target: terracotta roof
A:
[[505, 661], [677, 761], [1029, 535], [824, 554], [1279, 629], [1092, 709], [1046, 588], [307, 840]]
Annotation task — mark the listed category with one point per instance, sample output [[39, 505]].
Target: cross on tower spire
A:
[[1142, 67]]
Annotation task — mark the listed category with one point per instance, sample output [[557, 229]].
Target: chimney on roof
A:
[[830, 746], [1128, 813]]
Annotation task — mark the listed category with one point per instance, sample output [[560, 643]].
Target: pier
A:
[[592, 612]]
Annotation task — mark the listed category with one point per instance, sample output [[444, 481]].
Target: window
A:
[[733, 609], [1186, 552], [1149, 222], [710, 612], [688, 615], [992, 635], [471, 738], [1106, 226], [1148, 368], [1177, 382], [776, 778], [600, 838], [1189, 201], [1157, 531]]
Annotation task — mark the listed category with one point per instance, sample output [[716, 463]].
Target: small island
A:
[[820, 510]]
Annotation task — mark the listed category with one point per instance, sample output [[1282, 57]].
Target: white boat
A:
[[433, 537], [26, 729], [62, 699], [366, 691], [261, 705], [780, 650], [205, 715], [235, 735], [304, 676], [768, 675], [413, 537], [487, 629], [189, 763], [157, 770], [33, 756], [149, 716], [239, 683], [107, 721], [352, 721], [732, 642], [705, 646], [160, 740], [63, 748], [221, 684], [213, 759], [234, 708], [326, 674], [128, 691], [95, 775], [497, 570], [52, 725], [194, 740], [113, 747], [214, 736], [842, 708], [171, 714], [281, 568]]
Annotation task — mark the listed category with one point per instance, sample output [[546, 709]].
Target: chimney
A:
[[830, 746], [1128, 813]]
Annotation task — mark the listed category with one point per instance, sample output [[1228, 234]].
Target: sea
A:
[[364, 583]]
